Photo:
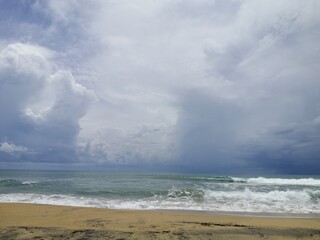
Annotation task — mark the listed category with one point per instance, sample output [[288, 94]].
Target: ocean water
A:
[[284, 195]]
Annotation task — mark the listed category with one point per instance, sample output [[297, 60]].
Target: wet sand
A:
[[30, 221]]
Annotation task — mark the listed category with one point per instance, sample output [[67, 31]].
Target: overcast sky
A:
[[171, 85]]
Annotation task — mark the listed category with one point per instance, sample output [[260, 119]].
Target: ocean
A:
[[150, 191]]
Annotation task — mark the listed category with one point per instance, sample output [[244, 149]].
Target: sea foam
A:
[[305, 201], [279, 181], [163, 191]]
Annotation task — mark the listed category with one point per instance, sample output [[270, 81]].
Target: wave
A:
[[158, 191], [10, 182], [280, 181], [239, 180], [214, 179], [217, 179], [187, 193], [288, 196], [53, 199], [290, 201]]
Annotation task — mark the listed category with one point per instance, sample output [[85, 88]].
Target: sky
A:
[[209, 86]]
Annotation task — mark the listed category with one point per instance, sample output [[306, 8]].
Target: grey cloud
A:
[[197, 85], [263, 102], [226, 136], [261, 75], [145, 145]]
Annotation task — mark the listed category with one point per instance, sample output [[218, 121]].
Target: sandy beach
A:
[[29, 221]]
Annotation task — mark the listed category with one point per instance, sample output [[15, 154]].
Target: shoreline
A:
[[237, 213], [218, 213], [20, 220]]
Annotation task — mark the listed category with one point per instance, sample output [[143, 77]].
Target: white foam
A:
[[44, 199], [233, 201], [273, 201], [280, 181], [29, 182]]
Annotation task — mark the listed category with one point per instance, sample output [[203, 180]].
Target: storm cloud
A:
[[212, 86]]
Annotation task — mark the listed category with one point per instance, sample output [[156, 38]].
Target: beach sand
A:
[[30, 221]]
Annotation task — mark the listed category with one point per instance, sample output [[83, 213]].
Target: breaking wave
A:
[[257, 180], [280, 181], [304, 201], [164, 191]]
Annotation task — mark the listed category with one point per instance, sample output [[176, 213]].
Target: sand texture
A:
[[27, 221]]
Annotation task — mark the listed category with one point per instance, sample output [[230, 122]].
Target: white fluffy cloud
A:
[[40, 106]]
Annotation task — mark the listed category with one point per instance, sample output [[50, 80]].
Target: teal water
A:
[[163, 191]]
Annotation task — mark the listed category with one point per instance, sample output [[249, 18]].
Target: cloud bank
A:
[[215, 86]]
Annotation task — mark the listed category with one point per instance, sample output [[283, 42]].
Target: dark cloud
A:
[[288, 149], [225, 136]]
